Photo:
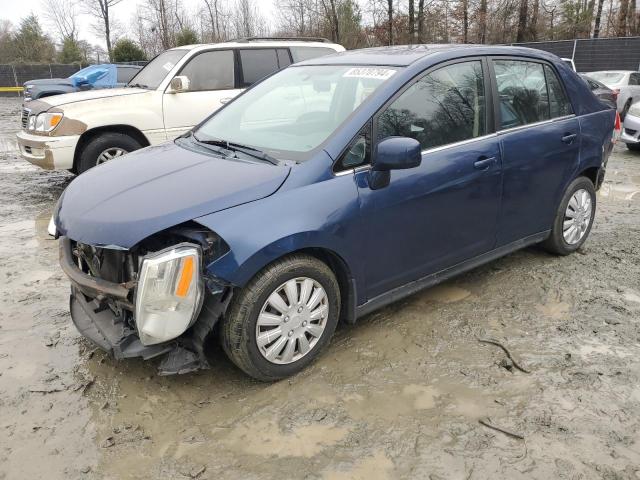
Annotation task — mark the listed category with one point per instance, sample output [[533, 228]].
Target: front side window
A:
[[559, 104], [296, 110], [156, 70], [634, 79], [522, 91], [210, 71], [445, 106], [257, 64]]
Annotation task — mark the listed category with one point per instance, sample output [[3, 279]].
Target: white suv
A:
[[175, 91]]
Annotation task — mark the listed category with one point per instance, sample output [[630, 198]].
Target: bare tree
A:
[[623, 12], [390, 20], [63, 16], [482, 19], [101, 10], [596, 25], [522, 21]]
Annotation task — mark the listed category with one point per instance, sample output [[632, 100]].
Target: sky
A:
[[15, 10]]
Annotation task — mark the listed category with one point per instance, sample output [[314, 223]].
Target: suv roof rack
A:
[[268, 39]]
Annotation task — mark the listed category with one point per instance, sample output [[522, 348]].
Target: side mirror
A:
[[179, 84], [397, 153], [393, 153]]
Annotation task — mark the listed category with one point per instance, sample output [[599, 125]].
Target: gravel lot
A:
[[399, 395]]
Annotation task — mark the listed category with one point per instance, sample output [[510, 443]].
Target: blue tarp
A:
[[97, 75]]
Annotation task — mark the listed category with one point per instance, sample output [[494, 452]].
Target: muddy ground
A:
[[399, 395]]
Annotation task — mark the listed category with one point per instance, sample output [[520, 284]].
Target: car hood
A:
[[128, 199], [50, 81], [65, 99]]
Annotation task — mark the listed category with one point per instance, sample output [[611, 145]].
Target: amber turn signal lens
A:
[[186, 276]]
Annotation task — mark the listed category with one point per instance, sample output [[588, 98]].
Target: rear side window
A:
[[126, 73], [300, 54], [257, 63], [210, 71], [522, 91], [559, 104], [445, 106]]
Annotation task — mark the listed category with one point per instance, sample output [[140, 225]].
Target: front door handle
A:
[[484, 163], [568, 138]]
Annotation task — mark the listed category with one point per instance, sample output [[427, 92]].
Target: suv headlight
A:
[[44, 122], [169, 294], [634, 110]]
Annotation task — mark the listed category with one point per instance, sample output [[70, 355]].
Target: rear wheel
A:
[[574, 218], [105, 147], [283, 318]]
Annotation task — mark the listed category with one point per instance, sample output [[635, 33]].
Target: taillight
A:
[[615, 92], [617, 128]]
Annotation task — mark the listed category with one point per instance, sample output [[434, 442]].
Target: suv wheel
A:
[[574, 218], [283, 318], [103, 148]]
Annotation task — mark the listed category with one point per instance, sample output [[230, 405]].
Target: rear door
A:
[[540, 142], [212, 82]]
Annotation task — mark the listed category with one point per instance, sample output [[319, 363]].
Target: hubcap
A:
[[577, 217], [292, 320], [110, 153]]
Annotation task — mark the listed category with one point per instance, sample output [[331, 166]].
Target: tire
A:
[[634, 147], [105, 142], [557, 242], [240, 328]]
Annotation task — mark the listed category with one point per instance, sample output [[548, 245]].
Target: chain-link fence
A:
[[12, 77], [593, 54]]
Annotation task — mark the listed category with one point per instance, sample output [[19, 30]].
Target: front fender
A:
[[322, 215]]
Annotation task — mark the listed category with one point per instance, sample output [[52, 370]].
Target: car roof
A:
[[261, 44], [612, 71], [405, 55]]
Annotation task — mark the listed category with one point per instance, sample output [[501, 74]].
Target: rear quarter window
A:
[[300, 54]]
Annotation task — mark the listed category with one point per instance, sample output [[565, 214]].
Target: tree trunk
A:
[[622, 18], [412, 21], [107, 28], [533, 25], [390, 19], [482, 13], [596, 26], [522, 21], [465, 21], [334, 20], [632, 18], [421, 21]]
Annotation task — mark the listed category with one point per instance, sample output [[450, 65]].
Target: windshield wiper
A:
[[137, 85], [236, 147]]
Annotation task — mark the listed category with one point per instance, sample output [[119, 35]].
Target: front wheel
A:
[[105, 147], [634, 147], [283, 318], [574, 218]]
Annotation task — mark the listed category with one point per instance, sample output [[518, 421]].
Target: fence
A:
[[12, 77], [593, 54]]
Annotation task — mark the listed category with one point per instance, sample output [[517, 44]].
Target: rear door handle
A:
[[484, 163], [569, 138]]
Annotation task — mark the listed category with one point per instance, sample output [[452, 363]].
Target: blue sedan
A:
[[326, 191]]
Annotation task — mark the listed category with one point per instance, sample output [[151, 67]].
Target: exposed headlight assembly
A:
[[169, 294], [44, 122]]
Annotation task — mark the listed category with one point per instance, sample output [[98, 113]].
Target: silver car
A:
[[625, 82], [631, 128]]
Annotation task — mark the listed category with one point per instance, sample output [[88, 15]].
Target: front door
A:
[[444, 211], [212, 82]]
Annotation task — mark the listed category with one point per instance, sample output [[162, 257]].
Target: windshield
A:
[[608, 78], [156, 70], [296, 110], [98, 75]]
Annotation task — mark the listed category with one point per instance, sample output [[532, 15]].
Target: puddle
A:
[[445, 294]]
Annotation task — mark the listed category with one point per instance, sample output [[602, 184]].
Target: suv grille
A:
[[25, 117]]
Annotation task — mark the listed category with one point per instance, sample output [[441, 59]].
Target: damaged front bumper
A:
[[100, 310]]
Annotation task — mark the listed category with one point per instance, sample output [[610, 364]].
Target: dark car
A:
[[600, 90], [92, 77], [326, 191]]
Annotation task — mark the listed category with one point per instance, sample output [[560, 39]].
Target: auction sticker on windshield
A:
[[168, 66], [369, 72]]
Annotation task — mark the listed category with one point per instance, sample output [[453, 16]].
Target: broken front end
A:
[[152, 300]]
